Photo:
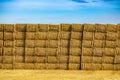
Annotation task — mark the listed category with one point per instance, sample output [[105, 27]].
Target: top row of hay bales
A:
[[61, 27]]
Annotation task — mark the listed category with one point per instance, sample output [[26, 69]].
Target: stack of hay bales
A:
[[8, 46], [20, 36], [75, 47], [64, 46]]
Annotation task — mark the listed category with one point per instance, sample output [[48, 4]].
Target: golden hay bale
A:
[[76, 35], [100, 27], [111, 44], [20, 27], [40, 51], [75, 43], [19, 51], [74, 59], [111, 36], [87, 51], [19, 59], [40, 66], [51, 51], [63, 51], [86, 66], [31, 27], [87, 35], [7, 66], [52, 35], [53, 43], [30, 43], [98, 51], [30, 35], [106, 59], [111, 28], [1, 43], [29, 59], [64, 43], [8, 43], [74, 66], [65, 35], [29, 51], [8, 36], [65, 27], [97, 59], [77, 27], [53, 27], [1, 35], [52, 59], [96, 66], [107, 66], [87, 59], [41, 35], [63, 66], [28, 66], [52, 66], [40, 43], [75, 51], [20, 35], [116, 66], [117, 59], [42, 27], [63, 59], [8, 27], [110, 51], [8, 51], [18, 65], [0, 65], [87, 44], [1, 27], [20, 43], [99, 43], [118, 51], [89, 27], [7, 59], [99, 36], [40, 59]]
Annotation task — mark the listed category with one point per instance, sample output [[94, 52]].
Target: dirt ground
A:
[[58, 75]]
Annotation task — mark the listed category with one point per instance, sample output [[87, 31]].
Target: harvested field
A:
[[58, 75]]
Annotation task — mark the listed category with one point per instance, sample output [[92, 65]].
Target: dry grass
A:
[[58, 75]]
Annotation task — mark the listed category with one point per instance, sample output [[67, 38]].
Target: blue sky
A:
[[60, 11]]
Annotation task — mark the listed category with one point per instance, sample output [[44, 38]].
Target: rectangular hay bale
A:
[[53, 43], [41, 66], [99, 43], [63, 51], [116, 66], [30, 35], [97, 59], [89, 27], [76, 35], [117, 59], [64, 43], [8, 51], [111, 28], [63, 66], [20, 27], [106, 59], [52, 35], [29, 51], [20, 35], [77, 27], [19, 59], [52, 66], [8, 59], [100, 27], [19, 51], [18, 65], [63, 59], [96, 66], [7, 66], [75, 59], [1, 43], [8, 27], [87, 59], [110, 52], [112, 36], [111, 44], [40, 59], [41, 35], [75, 51], [1, 35], [99, 36], [30, 43], [29, 59], [87, 44], [42, 27], [87, 51], [8, 36], [75, 43], [40, 43], [74, 66], [53, 27], [8, 43], [65, 27], [98, 51], [65, 35], [86, 66], [31, 27], [28, 66], [107, 66], [51, 51], [52, 59], [88, 35], [20, 43], [40, 51]]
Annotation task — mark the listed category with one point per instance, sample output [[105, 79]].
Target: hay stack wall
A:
[[60, 46]]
